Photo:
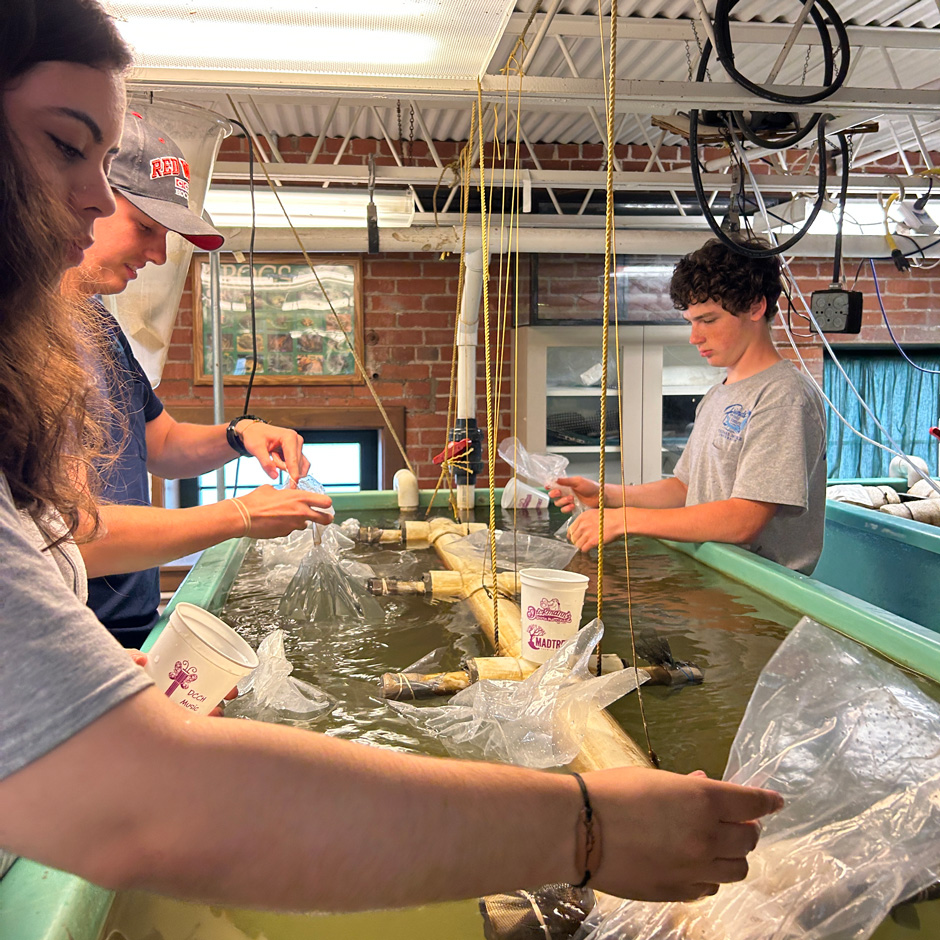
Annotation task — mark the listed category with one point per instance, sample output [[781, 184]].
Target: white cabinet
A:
[[661, 380]]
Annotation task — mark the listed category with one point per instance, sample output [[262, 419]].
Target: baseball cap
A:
[[152, 174]]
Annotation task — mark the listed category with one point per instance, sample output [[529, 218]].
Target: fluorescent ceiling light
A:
[[236, 43], [272, 9], [318, 208]]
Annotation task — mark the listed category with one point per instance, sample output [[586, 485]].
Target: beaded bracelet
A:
[[588, 851]]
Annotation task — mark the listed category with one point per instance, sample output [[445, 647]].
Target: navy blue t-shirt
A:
[[127, 603]]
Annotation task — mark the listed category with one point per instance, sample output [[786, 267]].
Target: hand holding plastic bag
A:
[[544, 469], [852, 745], [539, 722]]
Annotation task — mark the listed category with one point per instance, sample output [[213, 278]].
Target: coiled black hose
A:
[[832, 80], [725, 53]]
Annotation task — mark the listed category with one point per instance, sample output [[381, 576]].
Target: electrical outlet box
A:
[[914, 221], [837, 311]]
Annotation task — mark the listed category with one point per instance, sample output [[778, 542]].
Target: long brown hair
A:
[[51, 407]]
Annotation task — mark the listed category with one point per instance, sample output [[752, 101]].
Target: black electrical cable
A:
[[725, 53], [251, 282], [699, 187], [251, 265], [843, 195]]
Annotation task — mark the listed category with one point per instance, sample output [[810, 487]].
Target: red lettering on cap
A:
[[168, 166]]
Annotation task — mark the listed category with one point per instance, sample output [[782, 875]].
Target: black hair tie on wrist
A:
[[588, 850], [234, 437]]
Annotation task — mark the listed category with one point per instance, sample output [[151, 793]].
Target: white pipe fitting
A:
[[405, 484]]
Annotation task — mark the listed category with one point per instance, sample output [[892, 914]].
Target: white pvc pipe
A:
[[540, 241], [405, 483], [468, 330]]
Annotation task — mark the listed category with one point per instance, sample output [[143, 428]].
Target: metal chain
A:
[[806, 65], [401, 143], [688, 61], [698, 43], [411, 134]]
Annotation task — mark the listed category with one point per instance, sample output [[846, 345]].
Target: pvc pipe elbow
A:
[[405, 484]]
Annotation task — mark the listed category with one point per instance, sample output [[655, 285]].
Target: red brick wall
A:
[[410, 304]]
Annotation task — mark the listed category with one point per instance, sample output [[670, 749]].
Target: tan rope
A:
[[359, 364], [490, 430]]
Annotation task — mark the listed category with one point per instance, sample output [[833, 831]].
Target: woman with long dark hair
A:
[[99, 773]]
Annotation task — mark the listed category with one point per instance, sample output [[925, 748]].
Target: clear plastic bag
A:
[[539, 722], [514, 550], [287, 550], [543, 469], [323, 590], [852, 744], [271, 693]]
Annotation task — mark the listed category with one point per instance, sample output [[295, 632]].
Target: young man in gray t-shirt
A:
[[754, 470]]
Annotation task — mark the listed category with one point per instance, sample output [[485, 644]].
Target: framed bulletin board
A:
[[301, 341]]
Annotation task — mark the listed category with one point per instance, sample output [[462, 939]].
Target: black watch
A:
[[234, 438]]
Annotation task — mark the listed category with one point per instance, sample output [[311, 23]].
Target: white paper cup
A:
[[551, 610], [522, 496], [198, 659]]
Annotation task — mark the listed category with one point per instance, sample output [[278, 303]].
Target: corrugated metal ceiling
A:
[[645, 58]]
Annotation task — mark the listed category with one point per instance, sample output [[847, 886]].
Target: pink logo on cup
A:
[[181, 675], [549, 609], [539, 641]]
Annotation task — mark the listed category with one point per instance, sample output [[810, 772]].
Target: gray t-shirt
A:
[[59, 668], [764, 438]]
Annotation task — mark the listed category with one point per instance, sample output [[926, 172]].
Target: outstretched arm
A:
[[737, 521], [176, 450], [660, 494], [133, 538], [361, 818]]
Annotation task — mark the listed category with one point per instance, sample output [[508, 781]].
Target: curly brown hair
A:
[[51, 409], [736, 282]]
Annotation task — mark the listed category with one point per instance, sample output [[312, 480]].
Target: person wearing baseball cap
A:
[[150, 180], [152, 174]]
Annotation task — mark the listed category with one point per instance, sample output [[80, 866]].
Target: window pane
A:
[[336, 466]]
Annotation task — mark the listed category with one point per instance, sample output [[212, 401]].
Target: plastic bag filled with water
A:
[[854, 747], [325, 589], [271, 693], [539, 722]]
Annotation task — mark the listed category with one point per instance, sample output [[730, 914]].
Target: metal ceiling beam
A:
[[562, 94], [633, 27], [678, 180]]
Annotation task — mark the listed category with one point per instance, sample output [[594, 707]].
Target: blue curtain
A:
[[905, 401]]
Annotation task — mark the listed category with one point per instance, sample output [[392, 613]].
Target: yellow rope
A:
[[610, 254], [610, 104], [349, 343], [490, 430]]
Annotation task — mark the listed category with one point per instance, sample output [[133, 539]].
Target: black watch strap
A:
[[234, 438]]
